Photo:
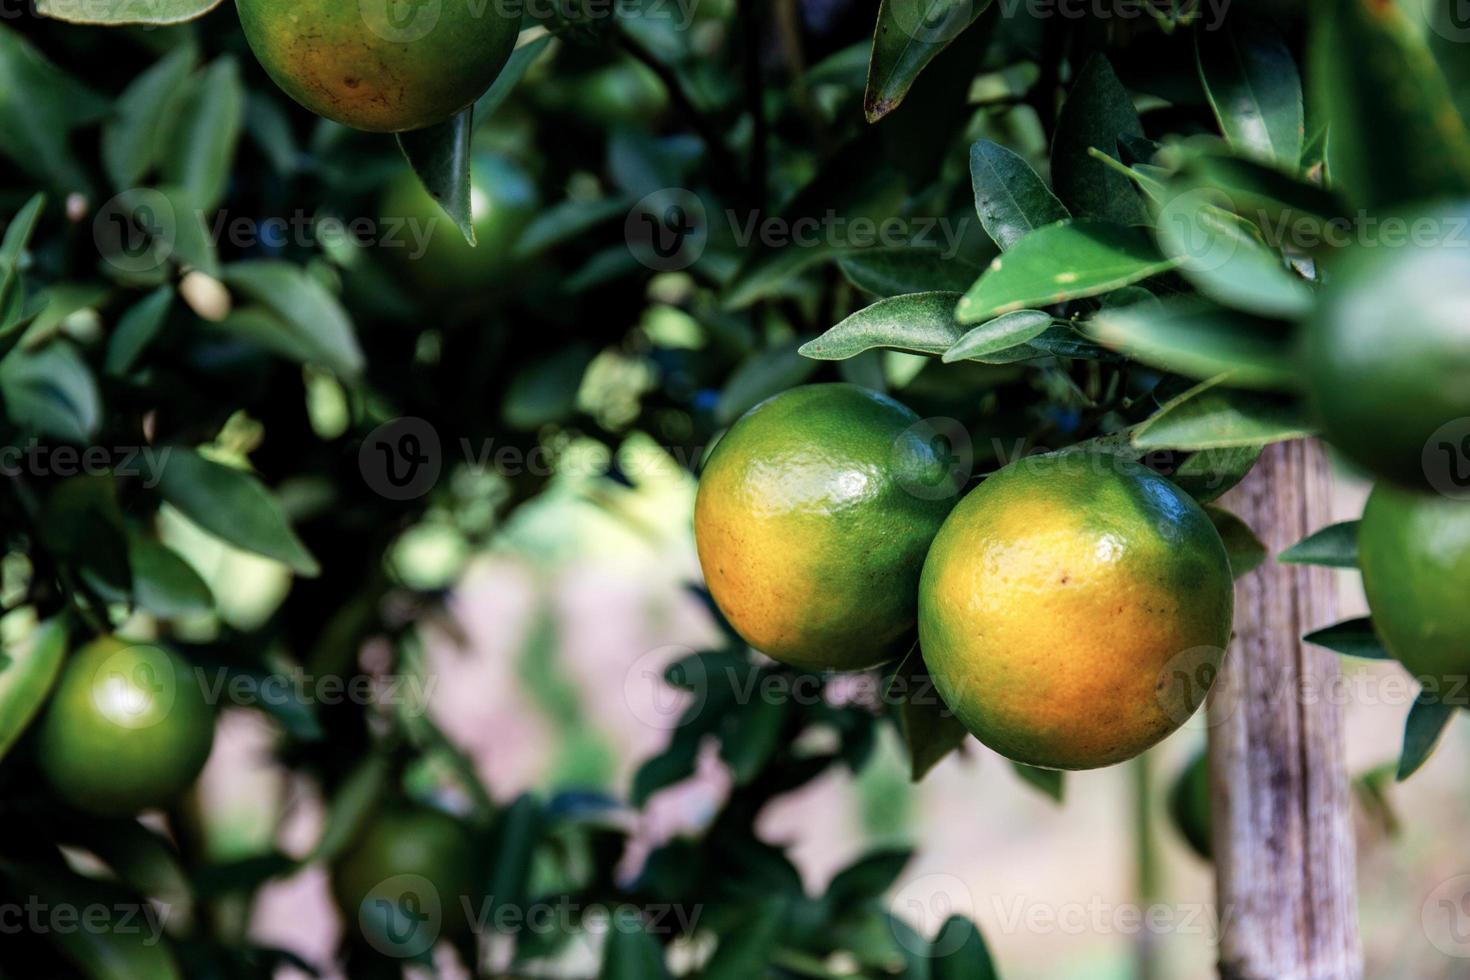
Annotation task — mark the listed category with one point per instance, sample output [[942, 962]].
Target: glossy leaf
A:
[[1245, 550], [440, 155], [1394, 134], [28, 671], [1200, 341], [132, 137], [1049, 782], [1210, 416], [1254, 90], [908, 35], [1335, 546], [1005, 332], [886, 272], [1068, 260], [1352, 638], [1098, 111], [232, 505], [153, 12], [515, 69], [921, 323], [315, 317], [1010, 198], [1423, 729], [205, 133], [1207, 474]]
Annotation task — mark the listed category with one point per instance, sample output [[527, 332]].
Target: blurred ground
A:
[[568, 622]]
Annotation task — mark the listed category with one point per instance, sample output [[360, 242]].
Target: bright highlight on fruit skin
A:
[[1074, 609], [813, 517]]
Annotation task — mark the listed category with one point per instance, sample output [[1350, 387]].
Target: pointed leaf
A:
[[132, 138], [1097, 112], [630, 952], [930, 729], [28, 670], [1209, 416], [1010, 198], [136, 329], [1208, 474], [1199, 340], [1245, 550], [440, 155], [1050, 782], [113, 14], [1003, 333], [1352, 638], [515, 69], [1335, 546], [1254, 90], [1422, 731], [205, 134], [314, 315], [233, 506], [904, 269], [959, 951], [922, 323], [163, 583], [1068, 260], [908, 35]]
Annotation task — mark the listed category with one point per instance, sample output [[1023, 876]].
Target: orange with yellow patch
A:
[[1074, 609]]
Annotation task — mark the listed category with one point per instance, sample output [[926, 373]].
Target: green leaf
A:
[[163, 583], [867, 879], [1097, 112], [567, 220], [1394, 134], [1254, 90], [440, 155], [1010, 198], [136, 329], [630, 952], [1352, 638], [908, 35], [28, 671], [205, 134], [1245, 550], [515, 69], [517, 831], [1220, 255], [958, 951], [1422, 731], [745, 950], [1200, 340], [1003, 333], [921, 323], [141, 230], [39, 107], [313, 315], [930, 729], [1068, 260], [121, 12], [544, 389], [12, 296], [886, 272], [1209, 416], [133, 136], [141, 858], [1335, 546], [82, 525], [354, 802], [763, 374], [1207, 474], [1050, 782], [51, 391], [233, 506], [751, 736]]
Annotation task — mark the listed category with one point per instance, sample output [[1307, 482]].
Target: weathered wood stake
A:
[[1283, 834]]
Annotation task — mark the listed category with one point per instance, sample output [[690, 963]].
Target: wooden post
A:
[[1283, 833]]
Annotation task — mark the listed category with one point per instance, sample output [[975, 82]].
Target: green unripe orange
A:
[[1074, 610], [128, 728], [410, 877], [1414, 550], [813, 515], [381, 65]]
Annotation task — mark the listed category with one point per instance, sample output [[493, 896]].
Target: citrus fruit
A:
[[381, 65], [1189, 805], [1388, 359], [1414, 550], [1074, 609], [128, 728], [812, 519], [432, 249], [405, 881]]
